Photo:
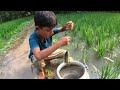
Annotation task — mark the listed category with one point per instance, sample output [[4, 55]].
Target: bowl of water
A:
[[75, 70]]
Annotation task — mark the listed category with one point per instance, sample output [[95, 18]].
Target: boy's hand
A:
[[64, 41], [68, 26]]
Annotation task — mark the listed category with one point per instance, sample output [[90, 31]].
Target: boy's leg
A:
[[41, 74], [38, 67]]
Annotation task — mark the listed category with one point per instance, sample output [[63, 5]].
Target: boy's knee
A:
[[41, 64], [38, 65]]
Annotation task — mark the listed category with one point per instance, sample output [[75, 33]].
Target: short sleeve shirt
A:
[[34, 42]]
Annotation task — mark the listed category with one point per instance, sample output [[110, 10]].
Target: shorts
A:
[[38, 64]]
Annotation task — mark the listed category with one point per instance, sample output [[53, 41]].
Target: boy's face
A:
[[46, 32]]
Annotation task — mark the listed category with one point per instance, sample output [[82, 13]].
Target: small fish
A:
[[67, 57]]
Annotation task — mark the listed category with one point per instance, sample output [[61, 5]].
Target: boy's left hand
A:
[[68, 26]]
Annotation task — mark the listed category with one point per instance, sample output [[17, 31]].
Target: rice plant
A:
[[101, 48], [110, 71]]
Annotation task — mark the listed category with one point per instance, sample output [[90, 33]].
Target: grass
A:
[[10, 31]]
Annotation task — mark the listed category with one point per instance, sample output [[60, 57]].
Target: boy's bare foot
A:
[[41, 74]]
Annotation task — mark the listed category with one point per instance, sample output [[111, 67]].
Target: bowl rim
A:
[[71, 63]]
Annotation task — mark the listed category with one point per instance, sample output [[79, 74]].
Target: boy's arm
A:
[[68, 26], [42, 54]]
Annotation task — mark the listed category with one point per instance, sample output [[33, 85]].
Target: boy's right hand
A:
[[64, 41]]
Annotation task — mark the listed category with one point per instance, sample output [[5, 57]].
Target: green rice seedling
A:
[[110, 71], [111, 43], [85, 55], [89, 37], [100, 48], [82, 33]]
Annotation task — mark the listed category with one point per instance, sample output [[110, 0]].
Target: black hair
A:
[[45, 19]]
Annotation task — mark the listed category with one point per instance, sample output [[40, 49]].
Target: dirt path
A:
[[15, 64]]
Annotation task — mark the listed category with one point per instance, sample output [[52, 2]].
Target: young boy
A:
[[40, 41]]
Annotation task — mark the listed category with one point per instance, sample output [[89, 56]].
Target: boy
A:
[[40, 41]]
